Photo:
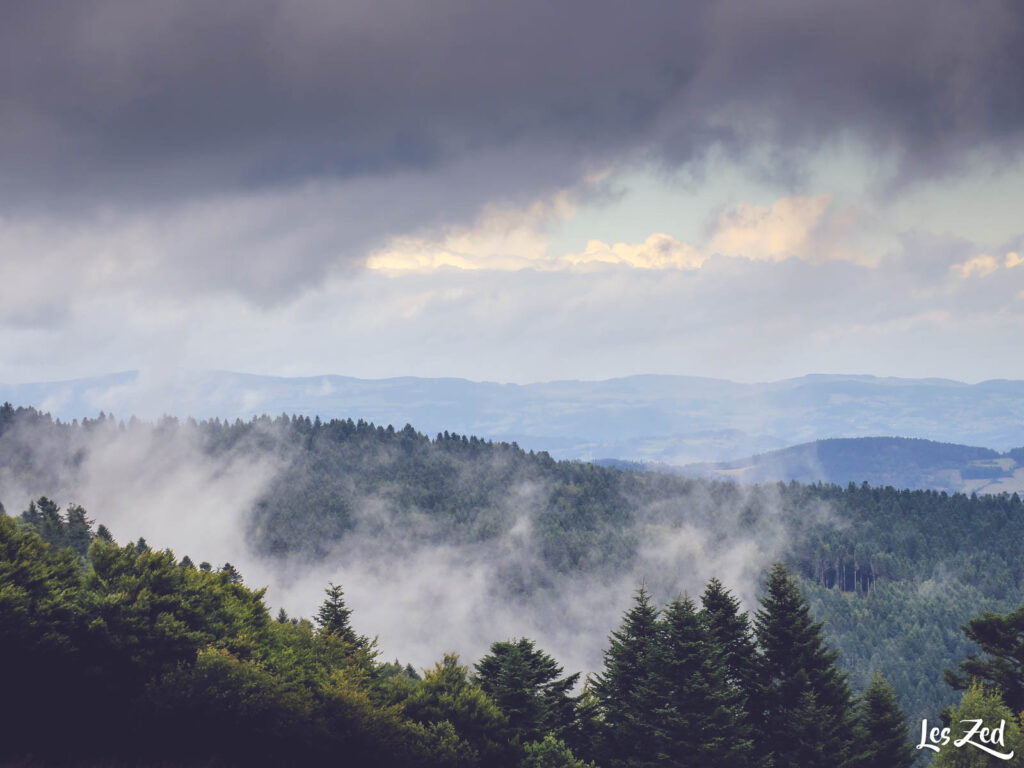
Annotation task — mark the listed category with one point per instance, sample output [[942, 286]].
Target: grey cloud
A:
[[110, 98]]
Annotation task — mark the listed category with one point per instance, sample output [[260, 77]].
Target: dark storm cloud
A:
[[110, 99]]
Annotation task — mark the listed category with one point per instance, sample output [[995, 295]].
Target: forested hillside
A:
[[663, 419], [898, 461], [892, 573], [132, 656]]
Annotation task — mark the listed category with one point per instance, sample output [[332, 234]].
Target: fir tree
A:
[[796, 662], [333, 617], [528, 686], [700, 717], [31, 517], [231, 574], [1001, 638], [79, 529], [623, 688], [882, 739], [729, 628], [812, 743], [51, 526]]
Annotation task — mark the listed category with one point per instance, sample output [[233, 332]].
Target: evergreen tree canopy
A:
[[803, 689], [1001, 638], [700, 717], [882, 739], [729, 627], [623, 687], [527, 685], [979, 702], [333, 615]]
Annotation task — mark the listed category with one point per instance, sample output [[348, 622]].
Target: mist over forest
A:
[[511, 384], [448, 543]]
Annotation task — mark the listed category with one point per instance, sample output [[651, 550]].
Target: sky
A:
[[512, 191]]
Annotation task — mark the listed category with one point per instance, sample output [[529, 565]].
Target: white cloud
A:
[[769, 234], [659, 251], [981, 265], [509, 239], [502, 238]]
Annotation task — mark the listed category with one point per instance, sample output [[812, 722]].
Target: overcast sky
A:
[[512, 191]]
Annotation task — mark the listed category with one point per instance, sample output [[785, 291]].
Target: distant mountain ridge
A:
[[880, 461], [649, 418]]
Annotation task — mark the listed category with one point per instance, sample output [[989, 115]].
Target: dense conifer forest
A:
[[161, 643]]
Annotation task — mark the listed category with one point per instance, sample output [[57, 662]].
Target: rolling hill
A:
[[668, 419], [880, 461]]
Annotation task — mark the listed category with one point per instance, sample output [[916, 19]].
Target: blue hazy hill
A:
[[674, 420]]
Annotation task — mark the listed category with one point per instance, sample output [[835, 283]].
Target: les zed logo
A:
[[985, 739]]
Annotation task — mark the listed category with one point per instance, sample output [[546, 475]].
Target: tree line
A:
[[895, 572], [131, 654]]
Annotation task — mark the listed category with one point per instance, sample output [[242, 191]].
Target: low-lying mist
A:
[[551, 551]]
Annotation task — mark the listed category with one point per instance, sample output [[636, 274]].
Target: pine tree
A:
[[31, 517], [623, 689], [729, 628], [882, 739], [1001, 638], [701, 721], [795, 662], [528, 686], [43, 517], [333, 617], [79, 529], [51, 526], [812, 742], [231, 574]]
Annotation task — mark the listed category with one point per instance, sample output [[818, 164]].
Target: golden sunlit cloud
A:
[[659, 251], [981, 265], [506, 239], [769, 234], [501, 239]]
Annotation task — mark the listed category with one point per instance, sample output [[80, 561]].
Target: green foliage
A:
[[527, 685], [878, 562], [333, 617], [159, 648], [155, 648], [43, 613], [700, 716], [446, 694], [882, 739], [623, 690], [550, 753], [805, 698], [729, 628], [906, 630], [984, 704], [883, 566], [1001, 638]]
